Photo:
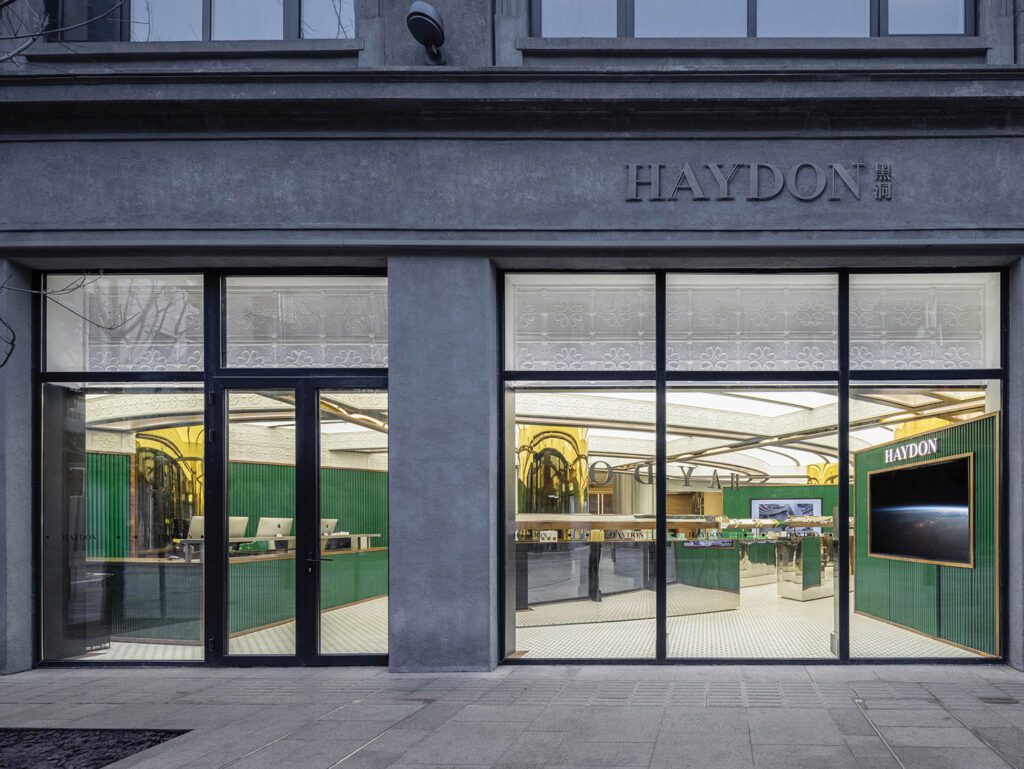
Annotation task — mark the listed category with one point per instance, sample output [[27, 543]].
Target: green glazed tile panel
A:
[[761, 552], [107, 505], [260, 491], [263, 589], [353, 577], [951, 603], [810, 555], [261, 592], [358, 499], [156, 601], [714, 568]]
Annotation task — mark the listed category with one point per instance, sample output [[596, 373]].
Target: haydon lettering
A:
[[912, 450], [754, 181]]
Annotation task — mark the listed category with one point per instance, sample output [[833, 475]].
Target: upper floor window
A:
[[751, 18], [184, 20]]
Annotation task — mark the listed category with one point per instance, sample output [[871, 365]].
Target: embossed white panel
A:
[[751, 322], [564, 321], [306, 322], [924, 321], [124, 322]]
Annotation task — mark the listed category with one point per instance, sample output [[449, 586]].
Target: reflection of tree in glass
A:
[[339, 26]]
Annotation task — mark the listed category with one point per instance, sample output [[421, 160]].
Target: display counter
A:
[[757, 562], [703, 576], [160, 600], [805, 567]]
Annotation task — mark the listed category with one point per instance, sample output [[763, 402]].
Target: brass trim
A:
[[970, 510]]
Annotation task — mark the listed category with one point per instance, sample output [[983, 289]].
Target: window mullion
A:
[[627, 14], [207, 19], [751, 18], [292, 11]]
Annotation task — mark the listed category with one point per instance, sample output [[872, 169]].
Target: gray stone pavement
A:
[[725, 717]]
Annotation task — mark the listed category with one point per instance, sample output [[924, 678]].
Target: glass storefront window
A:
[[690, 18], [752, 322], [752, 489], [579, 18], [924, 321], [124, 322], [583, 528], [754, 469], [328, 19], [574, 322], [122, 513], [924, 472], [247, 20], [306, 322], [926, 17], [260, 522], [813, 18], [353, 522], [166, 20]]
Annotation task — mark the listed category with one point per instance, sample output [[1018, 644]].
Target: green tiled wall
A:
[[107, 504], [951, 603]]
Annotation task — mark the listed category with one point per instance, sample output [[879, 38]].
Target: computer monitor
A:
[[196, 527], [236, 526], [274, 527], [327, 526]]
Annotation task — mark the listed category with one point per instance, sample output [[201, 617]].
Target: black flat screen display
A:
[[922, 512]]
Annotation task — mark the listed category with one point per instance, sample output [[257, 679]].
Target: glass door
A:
[[351, 549], [304, 527], [259, 520]]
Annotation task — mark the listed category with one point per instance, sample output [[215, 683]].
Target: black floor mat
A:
[[74, 748]]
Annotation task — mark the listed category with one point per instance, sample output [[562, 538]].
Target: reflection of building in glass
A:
[[553, 471]]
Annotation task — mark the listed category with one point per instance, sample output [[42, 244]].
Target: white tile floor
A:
[[360, 628], [764, 626]]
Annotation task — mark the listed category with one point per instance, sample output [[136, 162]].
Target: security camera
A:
[[427, 27]]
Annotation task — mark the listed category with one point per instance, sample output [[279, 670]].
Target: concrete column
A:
[[1015, 470], [16, 509], [443, 464]]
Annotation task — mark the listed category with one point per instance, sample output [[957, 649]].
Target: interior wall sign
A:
[[756, 181], [912, 451]]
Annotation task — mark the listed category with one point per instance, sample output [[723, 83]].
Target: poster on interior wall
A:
[[781, 509], [923, 512]]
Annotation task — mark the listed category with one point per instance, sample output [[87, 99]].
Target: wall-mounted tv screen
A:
[[923, 512]]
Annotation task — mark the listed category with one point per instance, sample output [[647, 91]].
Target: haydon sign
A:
[[806, 181], [912, 450]]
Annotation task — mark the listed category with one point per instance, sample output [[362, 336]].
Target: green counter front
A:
[[160, 601]]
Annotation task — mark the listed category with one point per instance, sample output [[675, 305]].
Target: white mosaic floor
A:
[[361, 628], [765, 626]]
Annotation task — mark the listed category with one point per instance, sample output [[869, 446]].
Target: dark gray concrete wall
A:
[[16, 591], [544, 187], [469, 26], [1015, 470], [443, 467]]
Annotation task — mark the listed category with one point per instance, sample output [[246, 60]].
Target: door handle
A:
[[318, 560]]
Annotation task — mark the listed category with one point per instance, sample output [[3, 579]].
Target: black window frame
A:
[[844, 379], [291, 9], [216, 380], [879, 20]]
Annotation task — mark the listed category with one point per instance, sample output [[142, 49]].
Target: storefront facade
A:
[[561, 351]]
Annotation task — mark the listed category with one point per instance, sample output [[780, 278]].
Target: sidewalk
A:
[[726, 717]]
